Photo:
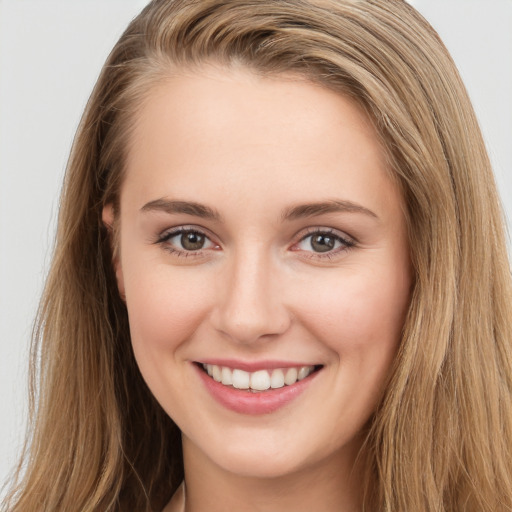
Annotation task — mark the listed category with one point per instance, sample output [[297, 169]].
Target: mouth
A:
[[259, 381], [256, 388]]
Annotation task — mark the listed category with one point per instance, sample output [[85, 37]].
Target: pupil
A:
[[322, 243], [192, 241]]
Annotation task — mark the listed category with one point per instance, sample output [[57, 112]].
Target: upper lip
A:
[[253, 366]]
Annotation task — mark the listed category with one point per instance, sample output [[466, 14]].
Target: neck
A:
[[333, 484]]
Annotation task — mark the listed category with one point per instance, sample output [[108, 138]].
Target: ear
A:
[[108, 217]]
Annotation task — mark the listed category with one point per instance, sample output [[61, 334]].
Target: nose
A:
[[250, 305]]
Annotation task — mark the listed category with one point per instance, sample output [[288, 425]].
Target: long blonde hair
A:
[[441, 438]]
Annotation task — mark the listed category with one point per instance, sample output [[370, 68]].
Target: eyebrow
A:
[[186, 207], [332, 206], [293, 213]]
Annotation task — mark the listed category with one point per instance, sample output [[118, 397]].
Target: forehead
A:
[[277, 135]]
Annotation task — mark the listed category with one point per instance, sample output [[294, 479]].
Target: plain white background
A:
[[50, 55]]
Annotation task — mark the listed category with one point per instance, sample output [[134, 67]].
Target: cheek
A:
[[362, 316], [165, 306], [360, 322]]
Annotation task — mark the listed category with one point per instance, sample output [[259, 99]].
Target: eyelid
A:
[[312, 230], [185, 228], [347, 242], [169, 233]]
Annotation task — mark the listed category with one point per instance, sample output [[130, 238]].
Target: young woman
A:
[[280, 279]]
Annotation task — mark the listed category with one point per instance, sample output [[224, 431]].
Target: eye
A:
[[324, 242], [185, 240]]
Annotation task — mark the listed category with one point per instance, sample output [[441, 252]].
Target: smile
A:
[[260, 380], [260, 388]]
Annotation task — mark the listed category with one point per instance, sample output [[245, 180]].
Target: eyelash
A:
[[168, 235], [346, 243]]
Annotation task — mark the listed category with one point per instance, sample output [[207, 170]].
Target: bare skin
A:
[[259, 225]]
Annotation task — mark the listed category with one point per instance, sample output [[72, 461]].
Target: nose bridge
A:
[[251, 306]]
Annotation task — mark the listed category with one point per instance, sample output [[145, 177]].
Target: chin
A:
[[261, 460], [260, 467]]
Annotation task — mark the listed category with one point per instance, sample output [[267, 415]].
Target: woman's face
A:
[[261, 235]]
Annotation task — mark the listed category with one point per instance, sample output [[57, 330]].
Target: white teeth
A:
[[304, 371], [277, 379], [217, 373], [227, 378], [240, 379], [291, 376], [260, 380]]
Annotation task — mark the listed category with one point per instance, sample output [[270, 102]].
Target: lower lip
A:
[[246, 402]]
